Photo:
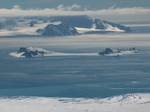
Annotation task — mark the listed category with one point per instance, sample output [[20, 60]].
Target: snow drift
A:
[[123, 103]]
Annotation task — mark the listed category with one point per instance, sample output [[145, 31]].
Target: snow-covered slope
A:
[[103, 26], [123, 103]]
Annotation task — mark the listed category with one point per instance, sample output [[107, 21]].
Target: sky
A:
[[90, 4], [114, 10]]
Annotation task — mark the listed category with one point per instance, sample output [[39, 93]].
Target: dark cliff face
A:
[[58, 30]]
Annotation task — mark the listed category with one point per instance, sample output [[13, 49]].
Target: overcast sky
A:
[[91, 4], [114, 10]]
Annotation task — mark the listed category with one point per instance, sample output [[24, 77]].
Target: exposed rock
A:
[[58, 30]]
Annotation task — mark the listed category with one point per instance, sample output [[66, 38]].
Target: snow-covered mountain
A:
[[81, 25], [57, 26], [61, 29]]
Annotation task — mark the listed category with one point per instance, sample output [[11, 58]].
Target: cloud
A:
[[115, 14], [74, 7], [16, 7], [71, 10]]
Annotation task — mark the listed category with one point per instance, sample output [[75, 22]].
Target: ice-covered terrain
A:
[[123, 103], [77, 73], [83, 76], [118, 52], [31, 52]]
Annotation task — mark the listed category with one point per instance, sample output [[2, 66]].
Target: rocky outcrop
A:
[[58, 30]]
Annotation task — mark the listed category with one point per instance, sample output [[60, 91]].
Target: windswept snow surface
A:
[[123, 103]]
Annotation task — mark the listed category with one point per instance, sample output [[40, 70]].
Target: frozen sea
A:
[[41, 79], [74, 76]]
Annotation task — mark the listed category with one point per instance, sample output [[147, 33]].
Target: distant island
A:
[[58, 26]]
